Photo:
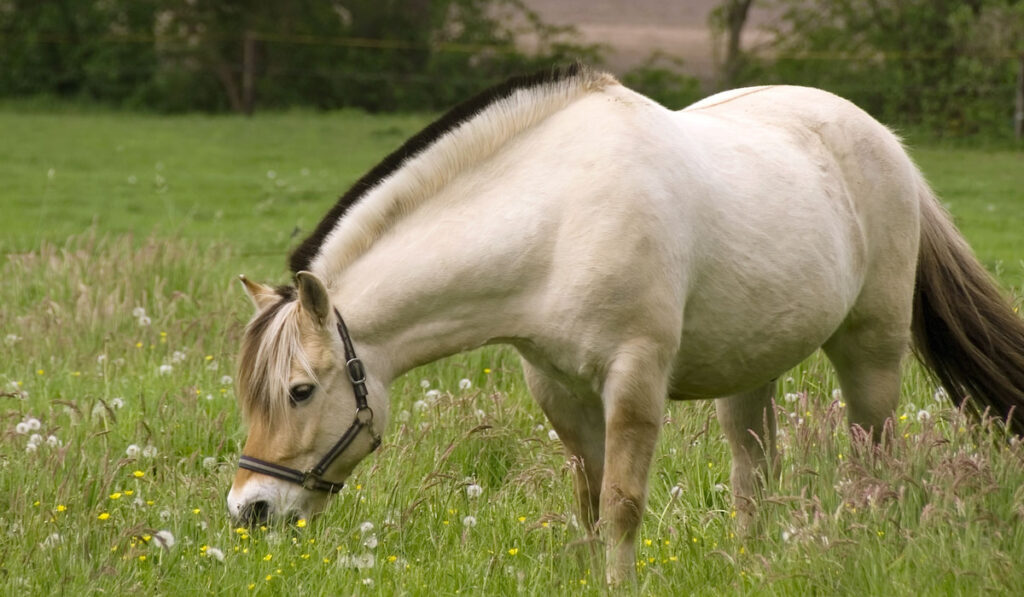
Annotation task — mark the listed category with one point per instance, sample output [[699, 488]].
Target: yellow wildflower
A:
[[104, 516]]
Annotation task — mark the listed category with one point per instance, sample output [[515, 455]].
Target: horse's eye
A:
[[301, 392]]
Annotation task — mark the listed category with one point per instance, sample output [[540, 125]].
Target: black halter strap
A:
[[313, 478]]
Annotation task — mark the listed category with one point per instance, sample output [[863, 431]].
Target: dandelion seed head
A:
[[149, 452], [424, 383], [676, 492], [145, 321], [117, 402], [473, 490], [165, 369], [21, 428], [837, 394], [433, 394], [177, 356], [165, 515], [469, 521], [791, 397], [923, 415], [209, 462], [465, 384], [366, 527], [226, 380], [30, 447], [52, 441], [419, 405], [718, 488], [370, 542], [213, 552], [164, 538], [132, 451], [33, 423]]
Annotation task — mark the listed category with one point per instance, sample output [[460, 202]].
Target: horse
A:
[[632, 255]]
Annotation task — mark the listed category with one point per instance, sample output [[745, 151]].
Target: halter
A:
[[313, 478]]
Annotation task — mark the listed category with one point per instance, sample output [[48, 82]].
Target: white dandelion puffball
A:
[[213, 552], [165, 369], [837, 394], [52, 441], [718, 488], [923, 415], [117, 402], [366, 527], [473, 490], [424, 383], [465, 384], [21, 428], [138, 312], [226, 380], [145, 321], [209, 462], [469, 521], [35, 439], [791, 397], [433, 394], [132, 451], [553, 435], [149, 451], [177, 357], [370, 542], [30, 447], [33, 423], [419, 405], [163, 539], [165, 515], [676, 492]]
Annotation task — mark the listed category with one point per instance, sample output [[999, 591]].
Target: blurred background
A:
[[949, 68]]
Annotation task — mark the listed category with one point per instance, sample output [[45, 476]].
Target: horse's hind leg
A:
[[867, 356], [748, 420], [579, 423]]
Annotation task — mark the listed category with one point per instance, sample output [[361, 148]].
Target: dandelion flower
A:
[[226, 380], [21, 428], [213, 552], [30, 447], [132, 451], [145, 321], [165, 515], [433, 394], [368, 582], [791, 397], [469, 521], [117, 402], [424, 383], [148, 452], [366, 527], [165, 369], [513, 551], [103, 516], [465, 384], [473, 490], [371, 542], [676, 492], [164, 539], [138, 312], [177, 356], [923, 415], [36, 439], [419, 405]]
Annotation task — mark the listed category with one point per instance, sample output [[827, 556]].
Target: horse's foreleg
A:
[[579, 422], [634, 395], [748, 421]]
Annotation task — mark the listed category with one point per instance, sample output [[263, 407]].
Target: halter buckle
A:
[[364, 416], [309, 480], [356, 371]]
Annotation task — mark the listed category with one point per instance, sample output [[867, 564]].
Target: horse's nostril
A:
[[255, 513]]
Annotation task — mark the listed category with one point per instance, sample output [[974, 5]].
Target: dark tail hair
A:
[[964, 329]]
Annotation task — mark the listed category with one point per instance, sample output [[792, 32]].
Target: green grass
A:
[[940, 513]]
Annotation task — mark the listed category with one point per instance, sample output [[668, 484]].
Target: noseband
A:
[[313, 478]]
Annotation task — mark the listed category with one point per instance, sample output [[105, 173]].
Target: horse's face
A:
[[297, 398]]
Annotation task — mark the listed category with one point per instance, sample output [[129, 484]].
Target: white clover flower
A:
[[21, 428], [213, 552], [676, 492], [177, 356], [469, 522], [419, 405], [33, 423], [424, 383], [473, 490], [132, 451], [465, 384], [538, 427], [165, 369], [226, 380], [553, 435], [163, 539], [370, 542], [117, 402], [149, 451], [52, 441], [209, 462], [366, 527], [923, 415]]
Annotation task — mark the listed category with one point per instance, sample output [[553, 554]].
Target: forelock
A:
[[271, 343]]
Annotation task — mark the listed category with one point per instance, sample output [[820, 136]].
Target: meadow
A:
[[120, 317]]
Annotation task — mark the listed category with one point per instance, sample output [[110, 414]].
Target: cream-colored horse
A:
[[631, 254]]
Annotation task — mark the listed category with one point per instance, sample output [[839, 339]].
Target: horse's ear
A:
[[313, 297], [261, 295]]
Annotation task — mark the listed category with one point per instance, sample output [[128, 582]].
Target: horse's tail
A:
[[964, 329]]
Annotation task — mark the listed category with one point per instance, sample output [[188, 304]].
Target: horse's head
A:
[[300, 394]]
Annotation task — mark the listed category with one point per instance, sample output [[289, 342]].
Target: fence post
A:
[[1018, 117], [248, 71]]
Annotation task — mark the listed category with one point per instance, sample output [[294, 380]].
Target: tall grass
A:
[[145, 436]]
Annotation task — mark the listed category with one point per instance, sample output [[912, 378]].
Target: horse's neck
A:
[[444, 280]]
